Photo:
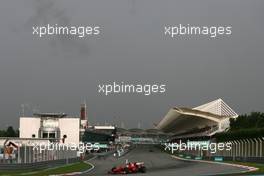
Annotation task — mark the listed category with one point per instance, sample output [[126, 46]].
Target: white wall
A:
[[71, 128], [68, 126], [28, 126]]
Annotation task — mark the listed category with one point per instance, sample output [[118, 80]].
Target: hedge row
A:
[[240, 134]]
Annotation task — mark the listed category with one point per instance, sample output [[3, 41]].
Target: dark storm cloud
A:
[[50, 12], [132, 6], [58, 74]]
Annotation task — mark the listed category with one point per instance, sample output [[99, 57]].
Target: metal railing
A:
[[244, 148], [27, 154], [247, 150]]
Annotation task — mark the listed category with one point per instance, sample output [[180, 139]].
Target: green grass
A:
[[260, 166], [257, 165], [76, 167]]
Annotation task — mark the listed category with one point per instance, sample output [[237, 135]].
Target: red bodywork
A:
[[128, 168]]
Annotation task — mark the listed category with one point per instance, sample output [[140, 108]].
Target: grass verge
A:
[[260, 167], [76, 167]]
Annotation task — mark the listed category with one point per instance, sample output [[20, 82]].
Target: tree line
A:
[[9, 132], [243, 127], [254, 120]]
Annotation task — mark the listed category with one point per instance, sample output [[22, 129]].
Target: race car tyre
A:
[[126, 170], [143, 169]]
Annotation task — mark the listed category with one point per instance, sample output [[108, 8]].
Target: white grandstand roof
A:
[[213, 114], [218, 107]]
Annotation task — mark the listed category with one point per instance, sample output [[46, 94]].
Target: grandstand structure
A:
[[203, 120]]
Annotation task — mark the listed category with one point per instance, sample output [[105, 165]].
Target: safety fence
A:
[[29, 154], [37, 165], [246, 150]]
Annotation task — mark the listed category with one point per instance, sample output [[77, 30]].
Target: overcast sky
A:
[[58, 74]]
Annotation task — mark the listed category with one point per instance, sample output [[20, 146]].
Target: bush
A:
[[240, 134], [253, 120]]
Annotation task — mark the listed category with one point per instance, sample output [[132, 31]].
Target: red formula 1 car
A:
[[129, 168]]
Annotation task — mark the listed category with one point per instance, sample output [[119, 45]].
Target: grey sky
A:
[[58, 74]]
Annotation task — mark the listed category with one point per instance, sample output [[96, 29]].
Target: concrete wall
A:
[[33, 154], [37, 165], [68, 126], [71, 128], [28, 126], [246, 150]]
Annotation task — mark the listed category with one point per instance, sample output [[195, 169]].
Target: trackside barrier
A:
[[122, 152], [104, 154], [27, 154], [41, 164], [38, 165], [245, 150]]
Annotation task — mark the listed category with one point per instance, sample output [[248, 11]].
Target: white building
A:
[[53, 126], [208, 118]]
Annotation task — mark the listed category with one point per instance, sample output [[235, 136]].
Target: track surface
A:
[[160, 164]]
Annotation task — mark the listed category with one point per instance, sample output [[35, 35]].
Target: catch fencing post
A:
[[18, 154], [230, 151], [29, 154], [236, 145], [242, 148], [257, 146], [239, 148], [248, 146], [25, 154], [234, 150], [251, 147], [261, 146]]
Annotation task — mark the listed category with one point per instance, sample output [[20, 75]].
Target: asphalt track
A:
[[159, 163]]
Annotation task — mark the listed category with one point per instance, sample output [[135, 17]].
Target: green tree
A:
[[254, 120], [244, 126], [10, 132], [2, 133]]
